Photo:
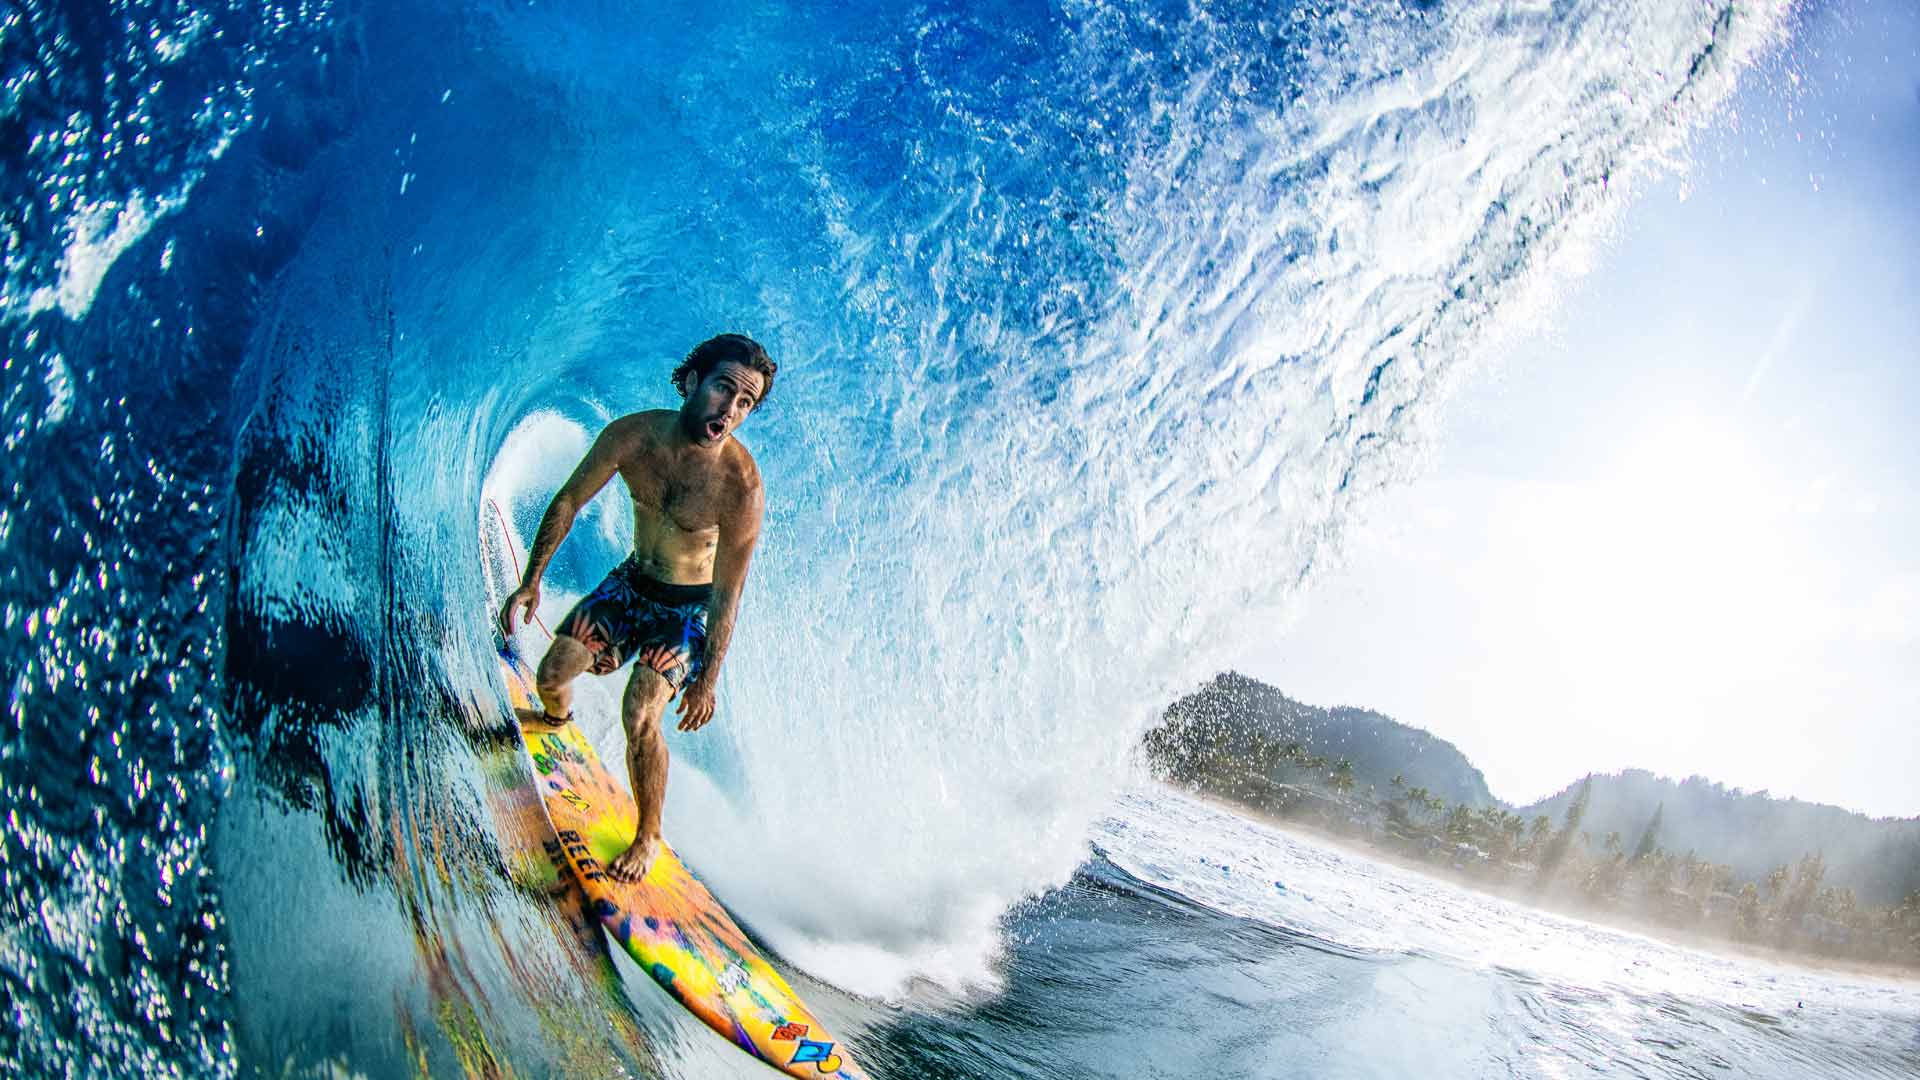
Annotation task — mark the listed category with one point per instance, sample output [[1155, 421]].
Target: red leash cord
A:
[[514, 558]]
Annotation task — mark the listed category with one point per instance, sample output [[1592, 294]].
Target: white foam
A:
[[97, 234]]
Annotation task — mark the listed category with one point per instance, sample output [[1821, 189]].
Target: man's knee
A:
[[645, 699], [563, 663]]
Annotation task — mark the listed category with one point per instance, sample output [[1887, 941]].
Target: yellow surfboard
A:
[[669, 923]]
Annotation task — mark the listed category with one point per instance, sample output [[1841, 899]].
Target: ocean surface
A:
[[1098, 323]]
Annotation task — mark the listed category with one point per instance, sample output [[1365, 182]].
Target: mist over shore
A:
[[1691, 855]]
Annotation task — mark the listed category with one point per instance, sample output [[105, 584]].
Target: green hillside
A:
[[1238, 723], [1879, 859]]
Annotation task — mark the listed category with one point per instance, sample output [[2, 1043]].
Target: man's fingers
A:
[[514, 603], [693, 715]]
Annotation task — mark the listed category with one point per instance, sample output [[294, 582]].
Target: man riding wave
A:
[[697, 508]]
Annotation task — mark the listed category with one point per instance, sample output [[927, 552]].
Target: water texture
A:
[[1097, 323]]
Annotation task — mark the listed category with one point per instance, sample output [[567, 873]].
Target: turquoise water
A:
[[1096, 325]]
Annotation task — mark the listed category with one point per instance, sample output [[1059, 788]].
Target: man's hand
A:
[[524, 600], [696, 703]]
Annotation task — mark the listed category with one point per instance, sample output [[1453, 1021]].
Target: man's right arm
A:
[[592, 474]]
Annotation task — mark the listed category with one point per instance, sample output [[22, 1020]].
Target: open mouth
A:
[[715, 429]]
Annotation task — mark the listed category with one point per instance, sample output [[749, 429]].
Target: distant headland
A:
[[1691, 857]]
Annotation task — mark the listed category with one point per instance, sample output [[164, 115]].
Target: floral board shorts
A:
[[630, 612]]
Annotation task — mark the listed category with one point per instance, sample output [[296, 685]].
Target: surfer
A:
[[697, 505]]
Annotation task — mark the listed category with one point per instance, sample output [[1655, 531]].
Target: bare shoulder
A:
[[635, 432], [740, 461], [740, 464], [654, 422], [744, 473]]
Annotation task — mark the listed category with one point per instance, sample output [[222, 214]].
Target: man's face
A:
[[720, 404]]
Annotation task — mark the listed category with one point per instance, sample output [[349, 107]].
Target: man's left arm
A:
[[739, 533]]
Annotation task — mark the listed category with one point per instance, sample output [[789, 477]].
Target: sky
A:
[[1678, 527]]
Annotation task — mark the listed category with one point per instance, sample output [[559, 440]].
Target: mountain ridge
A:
[[1279, 739]]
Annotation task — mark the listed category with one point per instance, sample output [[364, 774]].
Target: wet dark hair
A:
[[715, 351]]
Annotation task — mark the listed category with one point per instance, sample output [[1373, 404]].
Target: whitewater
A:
[[1098, 325]]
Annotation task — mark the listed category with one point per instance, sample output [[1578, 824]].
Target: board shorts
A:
[[630, 612]]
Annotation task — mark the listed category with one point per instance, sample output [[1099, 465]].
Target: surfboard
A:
[[669, 923]]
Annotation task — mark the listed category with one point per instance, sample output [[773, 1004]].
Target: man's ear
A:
[[689, 382]]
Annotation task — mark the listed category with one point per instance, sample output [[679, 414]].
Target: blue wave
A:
[[1096, 323]]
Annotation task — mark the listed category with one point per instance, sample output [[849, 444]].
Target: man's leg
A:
[[566, 658], [645, 702]]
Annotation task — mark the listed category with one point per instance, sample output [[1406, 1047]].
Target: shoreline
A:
[[1602, 917]]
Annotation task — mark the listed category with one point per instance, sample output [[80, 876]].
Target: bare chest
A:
[[690, 500]]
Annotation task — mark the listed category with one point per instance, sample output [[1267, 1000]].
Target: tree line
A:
[[1560, 864]]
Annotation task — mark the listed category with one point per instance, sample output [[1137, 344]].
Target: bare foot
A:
[[633, 863]]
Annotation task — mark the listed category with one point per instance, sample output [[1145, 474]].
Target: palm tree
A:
[[1460, 823], [1650, 839], [1538, 834], [1343, 776], [1776, 882], [1417, 797]]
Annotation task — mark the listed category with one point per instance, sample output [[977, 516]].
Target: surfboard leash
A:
[[514, 558]]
